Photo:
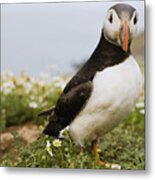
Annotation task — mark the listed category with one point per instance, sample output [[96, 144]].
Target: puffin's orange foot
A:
[[99, 162], [96, 154]]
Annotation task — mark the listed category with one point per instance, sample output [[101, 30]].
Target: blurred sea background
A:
[[52, 39]]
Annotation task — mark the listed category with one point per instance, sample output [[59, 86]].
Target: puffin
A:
[[103, 92]]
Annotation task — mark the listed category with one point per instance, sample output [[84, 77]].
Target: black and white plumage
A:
[[106, 88]]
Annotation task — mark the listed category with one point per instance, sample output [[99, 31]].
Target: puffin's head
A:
[[121, 25]]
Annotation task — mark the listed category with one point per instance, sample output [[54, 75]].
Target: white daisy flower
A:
[[32, 98], [140, 105], [61, 85], [142, 111], [6, 91], [59, 82], [56, 143], [7, 87], [33, 105], [28, 87], [40, 99], [8, 84], [7, 75], [63, 132], [115, 166], [107, 165]]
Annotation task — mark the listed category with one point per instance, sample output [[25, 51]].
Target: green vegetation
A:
[[21, 100]]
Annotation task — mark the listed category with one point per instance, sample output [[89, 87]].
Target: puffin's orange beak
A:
[[125, 36]]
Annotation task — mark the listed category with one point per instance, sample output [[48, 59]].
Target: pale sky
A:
[[50, 37]]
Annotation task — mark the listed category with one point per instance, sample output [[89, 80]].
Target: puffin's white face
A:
[[120, 30]]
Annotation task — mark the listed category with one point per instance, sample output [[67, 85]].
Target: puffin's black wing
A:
[[69, 104]]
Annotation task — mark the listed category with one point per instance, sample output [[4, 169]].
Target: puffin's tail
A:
[[46, 112]]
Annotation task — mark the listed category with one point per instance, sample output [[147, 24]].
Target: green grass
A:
[[124, 145]]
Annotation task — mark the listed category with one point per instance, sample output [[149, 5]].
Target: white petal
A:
[[115, 166], [142, 111], [140, 104]]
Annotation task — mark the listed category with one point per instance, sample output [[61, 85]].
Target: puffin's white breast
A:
[[115, 91]]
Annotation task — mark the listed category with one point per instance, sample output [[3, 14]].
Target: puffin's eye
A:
[[111, 18], [135, 20]]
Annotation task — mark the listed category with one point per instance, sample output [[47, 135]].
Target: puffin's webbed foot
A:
[[95, 151], [99, 162]]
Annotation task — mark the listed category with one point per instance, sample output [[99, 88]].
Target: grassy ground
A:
[[22, 98], [124, 146]]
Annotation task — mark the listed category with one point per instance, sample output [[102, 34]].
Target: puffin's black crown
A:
[[119, 8]]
